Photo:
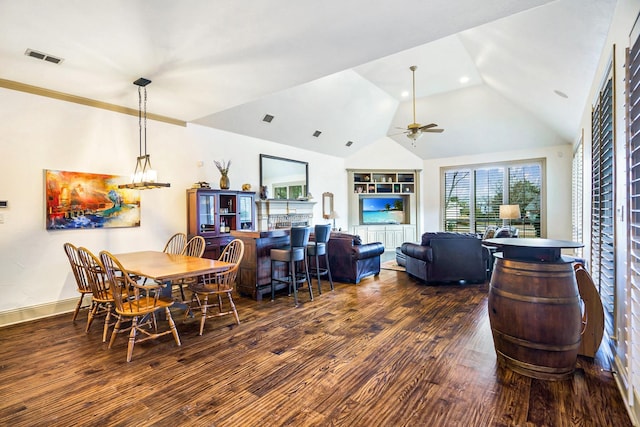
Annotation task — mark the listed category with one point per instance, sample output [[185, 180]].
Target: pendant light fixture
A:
[[144, 176]]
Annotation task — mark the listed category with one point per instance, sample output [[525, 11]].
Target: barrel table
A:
[[534, 307]]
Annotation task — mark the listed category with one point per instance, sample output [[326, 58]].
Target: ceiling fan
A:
[[415, 130]]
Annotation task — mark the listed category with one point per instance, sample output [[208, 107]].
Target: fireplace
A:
[[276, 214]]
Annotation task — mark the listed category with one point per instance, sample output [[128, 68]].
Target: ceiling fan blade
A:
[[429, 126], [399, 133], [433, 130]]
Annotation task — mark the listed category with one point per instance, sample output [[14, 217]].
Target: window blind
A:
[[576, 197]]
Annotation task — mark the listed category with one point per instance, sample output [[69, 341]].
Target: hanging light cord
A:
[[140, 124]]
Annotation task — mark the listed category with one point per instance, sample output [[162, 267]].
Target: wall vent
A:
[[43, 56]]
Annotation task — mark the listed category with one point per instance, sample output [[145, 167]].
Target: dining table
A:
[[164, 267]]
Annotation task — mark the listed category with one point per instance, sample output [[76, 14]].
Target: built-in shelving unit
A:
[[389, 187], [383, 182]]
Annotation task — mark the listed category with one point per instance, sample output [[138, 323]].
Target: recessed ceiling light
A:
[[317, 133], [464, 79], [404, 94], [349, 143], [267, 118], [43, 56], [560, 93]]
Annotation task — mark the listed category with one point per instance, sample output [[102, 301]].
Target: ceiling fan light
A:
[[414, 135]]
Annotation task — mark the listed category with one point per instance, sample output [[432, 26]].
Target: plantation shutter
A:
[[602, 207], [489, 189], [525, 185], [576, 197], [457, 200], [633, 210]]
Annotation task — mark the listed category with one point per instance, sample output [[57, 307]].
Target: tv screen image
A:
[[382, 210]]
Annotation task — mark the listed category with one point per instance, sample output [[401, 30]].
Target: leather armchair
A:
[[350, 260], [447, 257]]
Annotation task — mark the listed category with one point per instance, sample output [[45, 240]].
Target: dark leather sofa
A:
[[447, 257], [350, 260]]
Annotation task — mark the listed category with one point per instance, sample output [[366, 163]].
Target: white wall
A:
[[39, 133]]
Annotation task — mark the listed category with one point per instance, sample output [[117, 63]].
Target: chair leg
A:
[[317, 266], [105, 329], [204, 313], [77, 310], [233, 307], [91, 315], [294, 281], [273, 287], [116, 329], [172, 325], [326, 259], [132, 338], [308, 276]]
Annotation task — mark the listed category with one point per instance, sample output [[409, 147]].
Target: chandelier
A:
[[144, 176]]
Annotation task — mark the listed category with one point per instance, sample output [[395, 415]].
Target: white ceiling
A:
[[336, 66]]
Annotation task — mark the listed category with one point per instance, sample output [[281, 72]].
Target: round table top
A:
[[534, 243]]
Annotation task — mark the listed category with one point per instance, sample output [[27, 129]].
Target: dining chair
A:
[[194, 247], [318, 248], [137, 303], [214, 285], [175, 244], [294, 253], [102, 302], [79, 275]]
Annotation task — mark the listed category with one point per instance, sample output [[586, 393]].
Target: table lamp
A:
[[510, 212]]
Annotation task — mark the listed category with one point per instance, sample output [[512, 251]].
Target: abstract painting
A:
[[77, 200]]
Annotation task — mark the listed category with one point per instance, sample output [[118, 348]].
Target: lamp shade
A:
[[509, 211]]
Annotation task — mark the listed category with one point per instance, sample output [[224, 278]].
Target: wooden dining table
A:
[[165, 267]]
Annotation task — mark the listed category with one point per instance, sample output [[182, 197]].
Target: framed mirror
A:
[[283, 178], [327, 205]]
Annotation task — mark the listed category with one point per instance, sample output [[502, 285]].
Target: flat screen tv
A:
[[383, 209]]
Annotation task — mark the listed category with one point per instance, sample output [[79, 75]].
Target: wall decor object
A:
[[88, 200]]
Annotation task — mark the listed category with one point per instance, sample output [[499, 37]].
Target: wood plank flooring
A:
[[387, 352]]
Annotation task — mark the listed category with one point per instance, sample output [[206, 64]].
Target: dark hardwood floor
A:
[[387, 352]]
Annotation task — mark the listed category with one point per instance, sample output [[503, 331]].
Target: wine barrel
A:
[[535, 317]]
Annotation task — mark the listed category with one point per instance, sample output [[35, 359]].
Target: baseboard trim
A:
[[34, 312]]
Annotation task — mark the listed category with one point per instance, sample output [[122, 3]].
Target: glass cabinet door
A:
[[206, 212], [245, 212]]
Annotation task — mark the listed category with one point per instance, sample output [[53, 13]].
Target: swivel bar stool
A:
[[318, 248], [295, 253]]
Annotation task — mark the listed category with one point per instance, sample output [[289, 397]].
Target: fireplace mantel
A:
[[277, 213]]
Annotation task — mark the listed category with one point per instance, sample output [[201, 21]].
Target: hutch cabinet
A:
[[213, 214]]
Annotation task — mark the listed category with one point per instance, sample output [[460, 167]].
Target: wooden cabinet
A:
[[213, 214], [391, 236]]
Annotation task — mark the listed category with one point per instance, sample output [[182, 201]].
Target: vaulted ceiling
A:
[[338, 67]]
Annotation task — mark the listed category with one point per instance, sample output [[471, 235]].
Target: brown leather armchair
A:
[[447, 257], [350, 260]]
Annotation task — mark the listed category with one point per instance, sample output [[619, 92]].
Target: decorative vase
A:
[[224, 182]]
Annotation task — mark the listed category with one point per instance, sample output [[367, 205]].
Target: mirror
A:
[[327, 205], [283, 178]]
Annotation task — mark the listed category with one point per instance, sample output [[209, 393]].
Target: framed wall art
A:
[[87, 200]]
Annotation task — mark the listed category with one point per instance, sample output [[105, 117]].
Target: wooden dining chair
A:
[[102, 301], [79, 275], [175, 244], [194, 247], [207, 292], [137, 303]]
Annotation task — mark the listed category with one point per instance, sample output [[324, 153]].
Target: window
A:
[[576, 197], [473, 195]]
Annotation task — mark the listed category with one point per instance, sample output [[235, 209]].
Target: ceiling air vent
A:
[[348, 144], [317, 133], [267, 118], [43, 56]]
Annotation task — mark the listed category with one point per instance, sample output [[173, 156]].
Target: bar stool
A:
[[318, 248], [292, 255]]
